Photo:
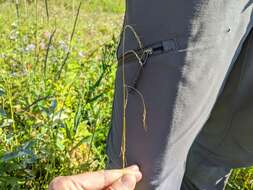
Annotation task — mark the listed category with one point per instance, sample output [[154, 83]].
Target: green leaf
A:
[[2, 92], [10, 156], [23, 150]]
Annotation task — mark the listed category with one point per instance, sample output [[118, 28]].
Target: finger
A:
[[102, 179], [126, 182], [61, 183]]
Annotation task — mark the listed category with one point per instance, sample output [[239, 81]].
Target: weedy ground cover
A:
[[57, 62]]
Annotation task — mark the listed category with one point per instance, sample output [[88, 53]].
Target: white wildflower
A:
[[13, 35], [30, 47], [63, 45], [81, 54]]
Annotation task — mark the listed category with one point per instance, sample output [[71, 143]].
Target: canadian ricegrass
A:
[[126, 87]]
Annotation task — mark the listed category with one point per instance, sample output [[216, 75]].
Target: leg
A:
[[225, 141], [179, 88]]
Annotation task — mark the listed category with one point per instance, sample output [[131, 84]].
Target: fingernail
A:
[[134, 167], [128, 181]]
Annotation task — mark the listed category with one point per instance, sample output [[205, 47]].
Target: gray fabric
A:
[[182, 91], [226, 141]]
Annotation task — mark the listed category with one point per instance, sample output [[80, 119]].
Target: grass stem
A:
[[47, 12], [70, 41]]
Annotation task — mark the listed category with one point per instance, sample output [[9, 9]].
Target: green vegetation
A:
[[56, 87]]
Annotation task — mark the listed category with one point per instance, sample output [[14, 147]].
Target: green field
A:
[[57, 73]]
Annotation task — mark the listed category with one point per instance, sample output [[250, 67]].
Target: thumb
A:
[[126, 182]]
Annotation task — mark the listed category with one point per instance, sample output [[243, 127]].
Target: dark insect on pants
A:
[[188, 78]]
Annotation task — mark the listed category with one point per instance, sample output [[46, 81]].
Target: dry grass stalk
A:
[[125, 95]]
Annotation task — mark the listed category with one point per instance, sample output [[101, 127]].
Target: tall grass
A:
[[70, 41], [17, 8], [127, 87], [46, 8]]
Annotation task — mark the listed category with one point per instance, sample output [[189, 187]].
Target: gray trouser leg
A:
[[203, 174], [178, 86], [212, 183], [225, 141]]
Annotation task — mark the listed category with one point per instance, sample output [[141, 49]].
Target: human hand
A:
[[120, 179]]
